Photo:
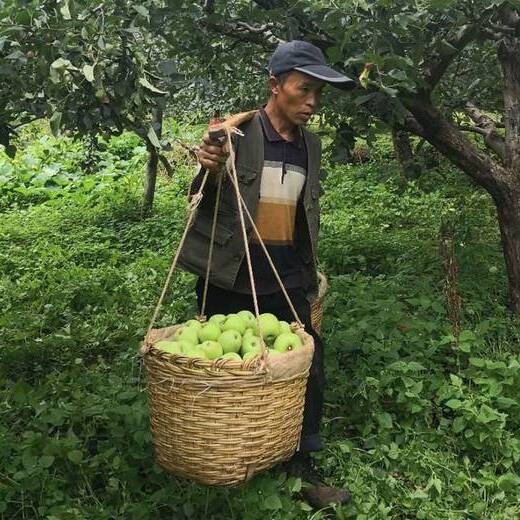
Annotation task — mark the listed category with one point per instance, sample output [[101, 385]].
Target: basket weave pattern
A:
[[221, 427], [317, 304]]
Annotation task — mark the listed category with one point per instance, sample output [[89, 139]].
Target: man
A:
[[277, 163]]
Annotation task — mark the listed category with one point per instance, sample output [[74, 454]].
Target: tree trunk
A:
[[508, 210], [451, 291], [404, 154], [503, 184], [151, 167]]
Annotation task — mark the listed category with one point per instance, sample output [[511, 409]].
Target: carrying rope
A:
[[211, 243], [242, 207]]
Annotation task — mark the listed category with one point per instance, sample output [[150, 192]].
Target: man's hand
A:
[[213, 154]]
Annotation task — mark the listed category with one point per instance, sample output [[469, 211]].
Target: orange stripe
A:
[[275, 222]]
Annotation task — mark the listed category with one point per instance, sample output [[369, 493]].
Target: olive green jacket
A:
[[229, 251]]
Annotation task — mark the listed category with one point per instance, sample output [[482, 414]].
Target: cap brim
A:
[[329, 75]]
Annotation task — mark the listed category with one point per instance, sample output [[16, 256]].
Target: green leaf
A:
[[446, 48], [46, 461], [295, 484], [345, 447], [465, 347], [153, 138], [456, 380], [459, 424], [334, 54], [467, 335], [146, 84], [360, 100], [62, 63], [506, 402], [88, 72], [385, 420], [55, 122], [437, 484], [65, 11], [392, 92], [142, 10], [75, 456], [454, 404], [10, 150], [273, 503], [398, 74]]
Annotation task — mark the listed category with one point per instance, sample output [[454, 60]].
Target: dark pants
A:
[[222, 301]]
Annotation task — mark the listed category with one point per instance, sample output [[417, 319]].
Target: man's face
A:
[[298, 97]]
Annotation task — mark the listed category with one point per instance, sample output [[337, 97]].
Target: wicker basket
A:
[[221, 422], [317, 304]]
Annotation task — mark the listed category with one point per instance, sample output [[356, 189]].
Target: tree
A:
[[89, 67], [411, 59]]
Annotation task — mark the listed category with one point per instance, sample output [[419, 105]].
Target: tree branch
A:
[[208, 6], [378, 106], [167, 166], [451, 142], [474, 129], [502, 28], [485, 126], [269, 4], [434, 70], [261, 35], [438, 65]]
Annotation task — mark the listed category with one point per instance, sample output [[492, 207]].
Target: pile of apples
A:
[[231, 336]]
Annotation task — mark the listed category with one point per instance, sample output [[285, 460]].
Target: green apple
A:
[[250, 354], [249, 332], [173, 347], [269, 327], [186, 334], [251, 344], [273, 352], [287, 341], [219, 319], [196, 324], [248, 318], [211, 349], [231, 340], [194, 351], [234, 322], [284, 327], [209, 332], [185, 344], [231, 355]]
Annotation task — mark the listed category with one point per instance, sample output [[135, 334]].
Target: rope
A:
[[269, 259], [194, 202], [234, 177], [211, 243]]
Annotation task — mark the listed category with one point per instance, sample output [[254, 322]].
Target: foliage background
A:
[[415, 428]]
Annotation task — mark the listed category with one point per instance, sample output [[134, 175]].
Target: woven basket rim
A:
[[216, 367]]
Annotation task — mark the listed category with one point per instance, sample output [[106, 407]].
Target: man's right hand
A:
[[212, 154]]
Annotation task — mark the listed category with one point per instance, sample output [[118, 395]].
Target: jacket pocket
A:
[[246, 174], [203, 226]]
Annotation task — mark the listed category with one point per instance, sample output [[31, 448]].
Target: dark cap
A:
[[305, 57]]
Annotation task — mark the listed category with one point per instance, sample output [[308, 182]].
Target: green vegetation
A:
[[416, 426]]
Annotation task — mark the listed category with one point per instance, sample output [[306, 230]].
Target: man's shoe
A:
[[315, 492]]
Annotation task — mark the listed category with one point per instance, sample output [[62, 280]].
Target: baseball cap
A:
[[306, 57]]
